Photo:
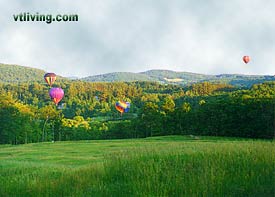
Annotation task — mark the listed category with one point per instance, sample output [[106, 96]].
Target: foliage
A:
[[156, 109], [14, 73]]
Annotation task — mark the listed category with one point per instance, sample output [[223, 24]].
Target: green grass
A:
[[158, 166]]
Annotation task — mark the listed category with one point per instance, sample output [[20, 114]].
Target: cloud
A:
[[113, 35]]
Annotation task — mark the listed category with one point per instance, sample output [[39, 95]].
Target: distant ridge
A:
[[118, 76], [180, 78], [14, 73]]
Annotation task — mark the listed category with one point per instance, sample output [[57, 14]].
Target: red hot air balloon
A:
[[246, 59], [50, 78], [56, 94]]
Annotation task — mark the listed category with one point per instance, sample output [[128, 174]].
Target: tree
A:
[[50, 114], [150, 119], [168, 105]]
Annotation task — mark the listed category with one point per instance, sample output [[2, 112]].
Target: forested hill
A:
[[181, 78], [118, 76], [14, 73]]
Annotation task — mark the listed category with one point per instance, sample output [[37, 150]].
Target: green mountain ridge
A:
[[10, 73], [180, 78], [118, 76], [15, 73]]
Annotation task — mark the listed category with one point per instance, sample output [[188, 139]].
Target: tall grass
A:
[[153, 167], [218, 170]]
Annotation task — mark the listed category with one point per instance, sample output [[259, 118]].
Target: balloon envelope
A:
[[56, 94], [246, 59], [128, 107], [50, 78], [122, 106]]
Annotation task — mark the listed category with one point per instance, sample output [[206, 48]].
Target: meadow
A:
[[157, 166]]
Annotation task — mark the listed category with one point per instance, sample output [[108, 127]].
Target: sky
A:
[[201, 36]]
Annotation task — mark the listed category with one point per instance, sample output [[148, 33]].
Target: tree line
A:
[[87, 111]]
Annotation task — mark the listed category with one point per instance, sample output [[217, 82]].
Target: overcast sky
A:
[[202, 36]]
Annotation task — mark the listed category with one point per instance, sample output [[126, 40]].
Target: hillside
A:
[[163, 76], [14, 73], [181, 78], [119, 76]]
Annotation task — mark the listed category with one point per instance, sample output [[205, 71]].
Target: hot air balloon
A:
[[50, 78], [56, 94], [122, 106], [246, 59], [127, 108]]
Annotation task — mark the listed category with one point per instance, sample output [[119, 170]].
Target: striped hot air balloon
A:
[[50, 78], [122, 106]]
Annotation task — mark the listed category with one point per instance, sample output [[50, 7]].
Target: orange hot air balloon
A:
[[246, 59]]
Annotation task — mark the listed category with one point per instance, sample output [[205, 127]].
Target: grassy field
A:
[[159, 166]]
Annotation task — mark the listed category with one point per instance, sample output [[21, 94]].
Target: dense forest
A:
[[87, 111]]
